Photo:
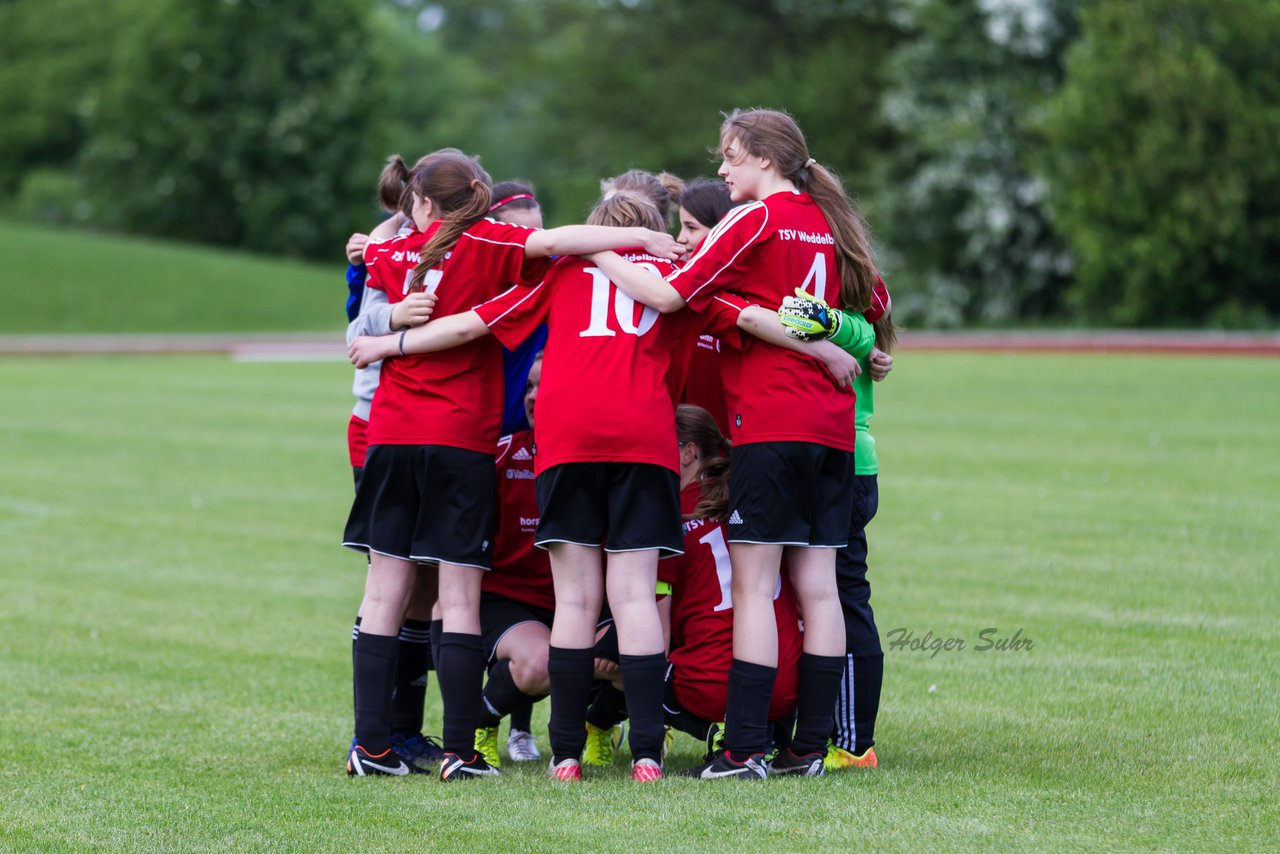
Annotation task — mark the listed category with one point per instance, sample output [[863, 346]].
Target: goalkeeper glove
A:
[[807, 318]]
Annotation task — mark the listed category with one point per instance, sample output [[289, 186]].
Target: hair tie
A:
[[509, 199], [809, 162]]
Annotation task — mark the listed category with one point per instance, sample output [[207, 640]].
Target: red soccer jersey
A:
[[603, 395], [702, 622], [518, 570], [453, 397], [357, 441], [704, 386], [764, 251]]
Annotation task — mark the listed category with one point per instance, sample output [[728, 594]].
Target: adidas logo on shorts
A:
[[522, 454], [735, 519]]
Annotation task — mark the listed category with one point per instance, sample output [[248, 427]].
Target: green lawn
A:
[[63, 281], [175, 623]]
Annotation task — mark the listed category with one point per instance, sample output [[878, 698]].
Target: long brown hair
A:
[[694, 424], [775, 136], [461, 192]]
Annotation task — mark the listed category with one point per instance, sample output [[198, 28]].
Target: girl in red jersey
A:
[[427, 491], [606, 474], [702, 599], [517, 600], [792, 460]]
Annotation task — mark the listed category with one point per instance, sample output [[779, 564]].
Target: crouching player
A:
[[517, 599], [701, 599]]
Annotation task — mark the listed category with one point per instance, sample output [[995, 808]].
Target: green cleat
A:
[[487, 745], [602, 746]]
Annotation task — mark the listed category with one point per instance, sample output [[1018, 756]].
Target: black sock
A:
[[375, 671], [572, 672], [609, 708], [502, 697], [643, 677], [411, 678], [782, 731], [460, 674], [522, 716], [746, 724], [819, 685], [437, 629]]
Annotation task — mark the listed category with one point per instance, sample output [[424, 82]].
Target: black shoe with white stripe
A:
[[723, 767], [360, 763], [453, 767], [787, 762]]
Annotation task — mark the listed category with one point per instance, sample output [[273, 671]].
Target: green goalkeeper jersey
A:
[[857, 337]]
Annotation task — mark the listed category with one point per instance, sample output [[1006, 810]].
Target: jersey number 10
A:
[[624, 307]]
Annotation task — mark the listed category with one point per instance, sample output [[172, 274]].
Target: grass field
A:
[[176, 613], [64, 281]]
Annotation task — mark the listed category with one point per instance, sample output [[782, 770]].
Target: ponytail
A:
[[462, 194], [393, 187]]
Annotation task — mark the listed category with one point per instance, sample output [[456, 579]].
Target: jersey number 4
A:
[[624, 308]]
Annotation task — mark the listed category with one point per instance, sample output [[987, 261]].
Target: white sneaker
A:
[[521, 747]]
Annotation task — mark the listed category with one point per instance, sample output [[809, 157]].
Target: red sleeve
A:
[[515, 314], [503, 258], [721, 260], [381, 271], [881, 302], [722, 318]]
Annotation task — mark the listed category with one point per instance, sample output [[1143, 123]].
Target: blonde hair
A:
[[626, 209]]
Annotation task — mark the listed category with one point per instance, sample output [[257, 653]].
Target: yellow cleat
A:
[[487, 745], [839, 759], [602, 746]]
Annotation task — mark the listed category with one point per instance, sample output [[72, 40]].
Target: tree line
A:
[[1047, 161]]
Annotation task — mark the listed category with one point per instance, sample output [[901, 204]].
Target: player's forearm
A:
[[443, 333], [583, 240], [763, 323], [638, 283]]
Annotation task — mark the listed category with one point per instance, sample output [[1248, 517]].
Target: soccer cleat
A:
[[787, 762], [453, 768], [521, 746], [418, 750], [838, 759], [715, 741], [360, 763], [722, 766], [602, 746], [487, 745], [645, 771], [668, 742], [568, 770]]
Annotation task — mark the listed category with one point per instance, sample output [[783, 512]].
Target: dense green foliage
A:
[[177, 612], [1048, 160], [1165, 160]]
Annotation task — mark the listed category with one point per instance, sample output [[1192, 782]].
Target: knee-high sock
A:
[[643, 677], [375, 670], [815, 712], [411, 677], [572, 672], [746, 726], [461, 674]]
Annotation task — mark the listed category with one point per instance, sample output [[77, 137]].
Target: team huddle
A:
[[545, 489]]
